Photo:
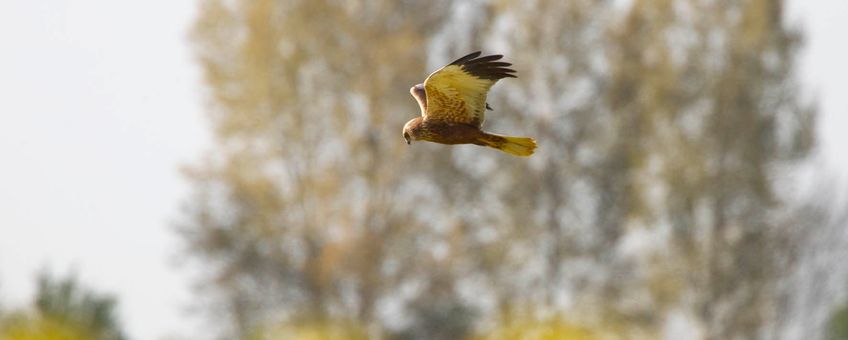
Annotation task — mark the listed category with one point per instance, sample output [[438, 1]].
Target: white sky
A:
[[824, 70], [100, 104]]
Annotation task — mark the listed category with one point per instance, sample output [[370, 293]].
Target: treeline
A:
[[660, 190], [62, 309]]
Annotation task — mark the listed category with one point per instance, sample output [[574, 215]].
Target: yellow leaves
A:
[[539, 330], [516, 329], [326, 330], [32, 328]]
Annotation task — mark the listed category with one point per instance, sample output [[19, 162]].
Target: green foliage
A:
[[65, 301], [438, 319], [837, 326], [63, 310]]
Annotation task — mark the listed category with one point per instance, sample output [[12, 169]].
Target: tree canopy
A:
[[657, 190]]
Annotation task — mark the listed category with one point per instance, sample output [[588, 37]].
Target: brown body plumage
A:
[[453, 105]]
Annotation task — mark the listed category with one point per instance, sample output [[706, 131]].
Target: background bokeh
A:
[[235, 169]]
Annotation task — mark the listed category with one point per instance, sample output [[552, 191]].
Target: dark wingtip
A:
[[485, 59], [485, 67], [466, 58]]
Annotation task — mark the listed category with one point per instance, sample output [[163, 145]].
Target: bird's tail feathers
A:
[[516, 146]]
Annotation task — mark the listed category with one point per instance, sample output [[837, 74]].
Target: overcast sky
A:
[[99, 105]]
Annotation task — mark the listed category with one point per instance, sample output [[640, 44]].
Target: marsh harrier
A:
[[453, 105]]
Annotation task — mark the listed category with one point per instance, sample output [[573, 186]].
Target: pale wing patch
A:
[[420, 95], [456, 96]]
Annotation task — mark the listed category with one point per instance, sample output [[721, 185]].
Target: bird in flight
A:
[[453, 106]]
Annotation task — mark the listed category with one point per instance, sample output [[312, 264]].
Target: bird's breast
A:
[[451, 133]]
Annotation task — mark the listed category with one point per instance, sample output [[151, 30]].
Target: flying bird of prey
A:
[[453, 106]]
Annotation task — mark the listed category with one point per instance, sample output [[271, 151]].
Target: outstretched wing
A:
[[456, 93]]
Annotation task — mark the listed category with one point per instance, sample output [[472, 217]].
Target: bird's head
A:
[[411, 130]]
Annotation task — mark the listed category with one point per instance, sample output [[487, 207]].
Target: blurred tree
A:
[[816, 286], [64, 310], [66, 302], [706, 112], [663, 126], [305, 210], [664, 122]]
